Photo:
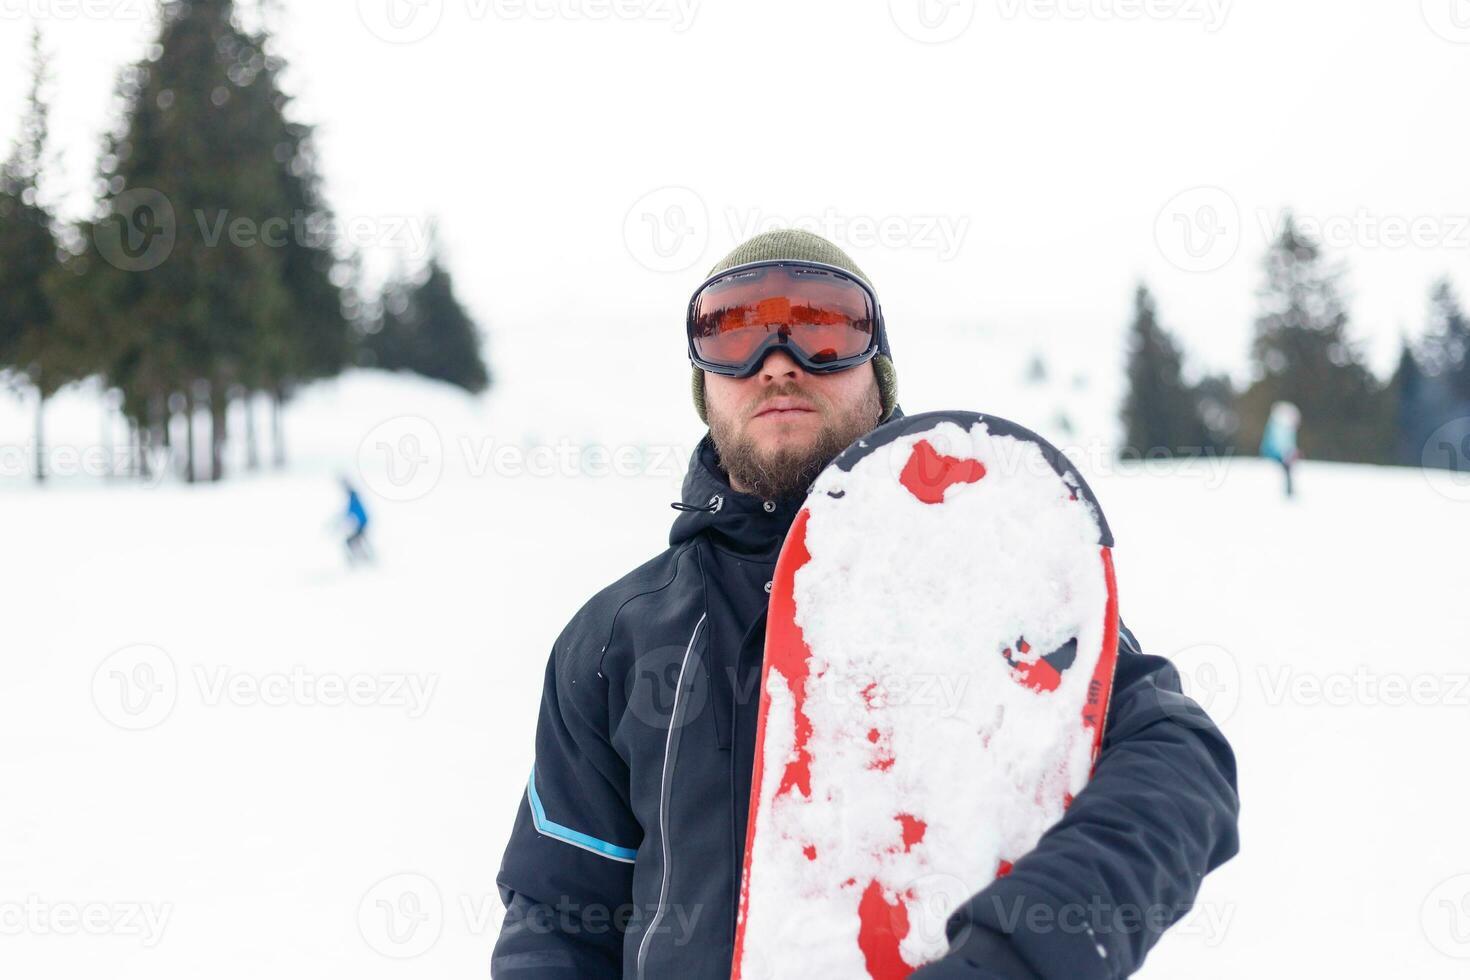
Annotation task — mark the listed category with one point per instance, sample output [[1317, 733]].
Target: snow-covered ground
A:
[[225, 754]]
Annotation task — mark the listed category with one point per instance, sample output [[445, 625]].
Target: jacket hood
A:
[[742, 523]]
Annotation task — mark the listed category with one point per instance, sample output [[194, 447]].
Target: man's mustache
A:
[[788, 391]]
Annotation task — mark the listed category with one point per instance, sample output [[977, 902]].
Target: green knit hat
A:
[[795, 245]]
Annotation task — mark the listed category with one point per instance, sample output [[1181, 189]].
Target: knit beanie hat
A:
[[795, 245]]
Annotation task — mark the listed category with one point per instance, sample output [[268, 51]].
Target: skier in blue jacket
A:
[[356, 518], [625, 855], [1278, 442]]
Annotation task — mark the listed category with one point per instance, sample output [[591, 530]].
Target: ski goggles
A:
[[825, 318]]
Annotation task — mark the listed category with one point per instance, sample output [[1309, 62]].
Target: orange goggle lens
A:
[[827, 317]]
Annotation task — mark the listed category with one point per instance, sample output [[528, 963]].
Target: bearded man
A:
[[625, 857]]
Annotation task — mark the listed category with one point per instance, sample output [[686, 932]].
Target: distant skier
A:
[[1279, 440], [357, 524]]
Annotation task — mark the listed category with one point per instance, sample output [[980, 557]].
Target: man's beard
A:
[[788, 472]]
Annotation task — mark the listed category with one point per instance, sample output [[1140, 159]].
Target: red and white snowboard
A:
[[939, 656]]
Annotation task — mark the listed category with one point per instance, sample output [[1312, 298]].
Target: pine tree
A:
[[1216, 397], [31, 346], [425, 329], [239, 298], [1414, 409], [312, 338], [1161, 413], [1302, 354], [1446, 347]]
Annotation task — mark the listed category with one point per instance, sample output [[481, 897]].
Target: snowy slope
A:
[[323, 778]]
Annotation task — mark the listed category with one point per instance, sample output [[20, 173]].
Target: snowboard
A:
[[940, 643]]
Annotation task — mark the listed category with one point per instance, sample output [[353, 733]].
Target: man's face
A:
[[777, 429]]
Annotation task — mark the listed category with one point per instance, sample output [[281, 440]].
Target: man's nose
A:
[[779, 366]]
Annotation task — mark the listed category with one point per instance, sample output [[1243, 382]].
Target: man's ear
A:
[[887, 377], [696, 385]]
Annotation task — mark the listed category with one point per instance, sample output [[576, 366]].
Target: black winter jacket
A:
[[625, 856]]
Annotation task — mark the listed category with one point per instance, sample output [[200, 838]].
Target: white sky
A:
[[1025, 172]]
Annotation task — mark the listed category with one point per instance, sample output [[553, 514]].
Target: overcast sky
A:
[[1016, 163]]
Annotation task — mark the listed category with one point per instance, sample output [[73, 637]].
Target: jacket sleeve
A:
[[566, 878], [1126, 860]]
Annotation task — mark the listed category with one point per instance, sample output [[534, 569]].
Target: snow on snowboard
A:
[[942, 631]]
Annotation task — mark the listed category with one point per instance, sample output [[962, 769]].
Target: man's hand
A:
[[981, 954]]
